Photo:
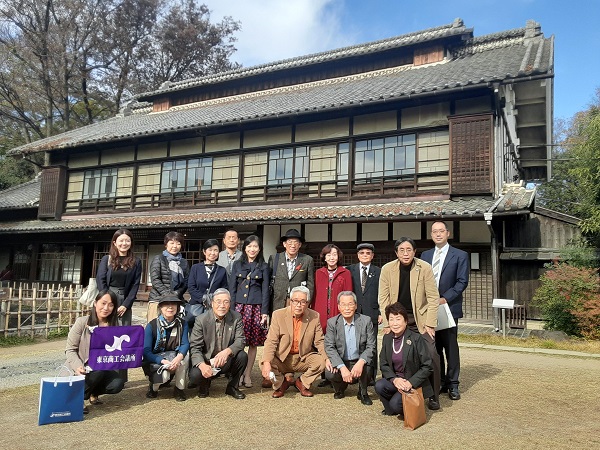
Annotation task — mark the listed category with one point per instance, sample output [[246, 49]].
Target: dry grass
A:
[[510, 400], [576, 345]]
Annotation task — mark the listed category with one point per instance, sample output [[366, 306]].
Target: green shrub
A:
[[569, 300]]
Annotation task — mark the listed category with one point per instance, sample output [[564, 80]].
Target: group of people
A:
[[317, 324]]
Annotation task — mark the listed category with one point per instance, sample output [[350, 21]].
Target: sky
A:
[[272, 30]]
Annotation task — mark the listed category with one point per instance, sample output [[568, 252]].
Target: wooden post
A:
[[34, 294], [8, 312], [19, 309]]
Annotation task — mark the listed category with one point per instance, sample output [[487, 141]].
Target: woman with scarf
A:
[[166, 347], [404, 361], [169, 272], [102, 314], [249, 288]]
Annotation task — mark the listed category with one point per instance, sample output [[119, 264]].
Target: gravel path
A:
[[509, 400]]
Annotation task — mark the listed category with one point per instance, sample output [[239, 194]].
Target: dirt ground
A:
[[509, 400]]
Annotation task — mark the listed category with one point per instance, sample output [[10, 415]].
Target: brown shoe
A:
[[266, 383], [280, 392], [303, 391]]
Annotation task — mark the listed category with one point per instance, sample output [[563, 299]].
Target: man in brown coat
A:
[[295, 343]]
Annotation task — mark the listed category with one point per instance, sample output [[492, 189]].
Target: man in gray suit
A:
[[350, 345], [217, 346], [290, 269], [231, 253], [365, 280]]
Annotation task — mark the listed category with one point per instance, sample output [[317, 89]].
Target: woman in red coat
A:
[[330, 280]]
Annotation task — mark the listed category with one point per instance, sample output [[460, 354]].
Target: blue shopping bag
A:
[[61, 398]]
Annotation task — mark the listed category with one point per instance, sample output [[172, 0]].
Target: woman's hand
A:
[[173, 365], [264, 320], [121, 310], [402, 384], [80, 371]]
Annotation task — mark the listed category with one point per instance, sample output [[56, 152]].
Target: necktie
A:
[[363, 280], [290, 267], [436, 264]]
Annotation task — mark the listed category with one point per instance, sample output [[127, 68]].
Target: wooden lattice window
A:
[[471, 149], [52, 192]]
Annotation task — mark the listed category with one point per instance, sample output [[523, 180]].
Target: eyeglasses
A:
[[299, 302], [438, 231], [346, 305], [222, 302], [405, 251]]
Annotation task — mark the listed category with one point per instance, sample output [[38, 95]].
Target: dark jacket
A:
[[203, 337], [132, 282], [417, 362], [198, 282], [368, 301], [303, 275], [250, 287], [160, 276]]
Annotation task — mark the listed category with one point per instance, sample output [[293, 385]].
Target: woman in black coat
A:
[[169, 273], [249, 288], [404, 361]]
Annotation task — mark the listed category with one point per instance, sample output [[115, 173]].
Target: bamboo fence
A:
[[36, 309]]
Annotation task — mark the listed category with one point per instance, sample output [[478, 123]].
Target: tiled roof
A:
[[468, 207], [455, 28], [482, 61], [26, 195]]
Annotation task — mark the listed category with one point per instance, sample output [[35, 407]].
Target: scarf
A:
[[162, 326], [175, 268]]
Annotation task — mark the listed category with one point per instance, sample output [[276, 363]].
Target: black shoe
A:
[[165, 384], [324, 383], [443, 390], [365, 399], [384, 413], [86, 410], [151, 393], [235, 392], [179, 395], [432, 404], [202, 392], [454, 394], [339, 395]]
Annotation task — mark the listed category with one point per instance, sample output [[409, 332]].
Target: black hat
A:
[[365, 245], [292, 233], [169, 298]]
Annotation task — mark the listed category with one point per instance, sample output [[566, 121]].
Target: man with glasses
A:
[[350, 345], [290, 269], [451, 273], [294, 344], [217, 346], [409, 281]]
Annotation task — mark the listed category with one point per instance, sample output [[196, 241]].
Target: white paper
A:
[[445, 319]]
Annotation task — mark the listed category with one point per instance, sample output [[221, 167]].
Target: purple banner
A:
[[113, 348]]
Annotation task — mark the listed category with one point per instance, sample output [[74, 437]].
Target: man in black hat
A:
[[365, 280], [290, 269]]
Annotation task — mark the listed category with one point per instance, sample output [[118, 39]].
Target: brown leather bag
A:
[[413, 405]]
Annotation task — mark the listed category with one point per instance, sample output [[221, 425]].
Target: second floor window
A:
[[187, 175], [100, 183], [288, 165], [392, 156]]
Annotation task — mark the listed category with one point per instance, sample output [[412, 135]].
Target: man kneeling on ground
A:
[[217, 346], [350, 345], [294, 344]]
